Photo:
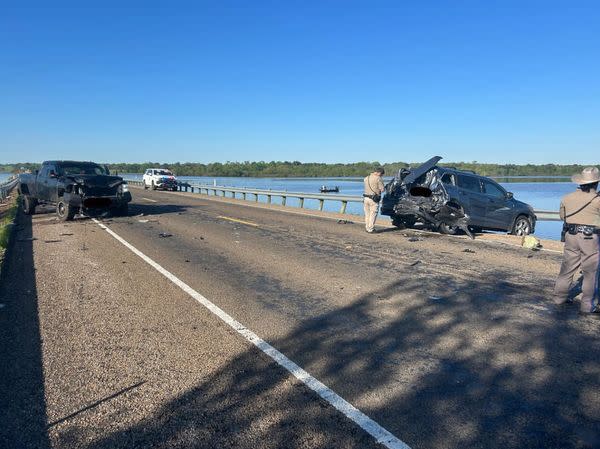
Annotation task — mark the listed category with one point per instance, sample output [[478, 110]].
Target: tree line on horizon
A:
[[285, 169]]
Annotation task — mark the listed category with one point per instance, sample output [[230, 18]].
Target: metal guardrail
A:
[[542, 215], [6, 188]]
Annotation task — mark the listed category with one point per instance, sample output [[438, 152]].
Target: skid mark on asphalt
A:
[[380, 434], [249, 223]]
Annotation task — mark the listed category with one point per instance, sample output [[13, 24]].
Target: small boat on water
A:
[[325, 189]]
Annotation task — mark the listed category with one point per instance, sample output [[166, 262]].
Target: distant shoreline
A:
[[295, 169]]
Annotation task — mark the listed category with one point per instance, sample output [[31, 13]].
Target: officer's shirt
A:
[[373, 185], [574, 201]]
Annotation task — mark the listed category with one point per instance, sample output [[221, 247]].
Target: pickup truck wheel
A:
[[29, 205], [64, 211], [145, 186], [153, 186], [522, 226]]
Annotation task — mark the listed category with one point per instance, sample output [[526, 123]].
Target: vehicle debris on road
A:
[[164, 235], [530, 242]]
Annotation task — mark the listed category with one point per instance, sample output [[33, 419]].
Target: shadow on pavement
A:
[[155, 209], [23, 407], [458, 370]]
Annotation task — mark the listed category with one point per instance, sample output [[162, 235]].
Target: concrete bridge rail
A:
[[542, 215], [7, 187]]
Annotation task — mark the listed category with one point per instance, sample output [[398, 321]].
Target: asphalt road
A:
[[444, 342]]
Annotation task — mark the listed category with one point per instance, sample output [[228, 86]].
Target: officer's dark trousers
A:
[[580, 253]]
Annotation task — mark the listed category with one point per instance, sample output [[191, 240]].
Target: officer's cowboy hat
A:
[[588, 175]]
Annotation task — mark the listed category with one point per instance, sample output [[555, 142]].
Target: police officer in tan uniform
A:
[[372, 196], [580, 211]]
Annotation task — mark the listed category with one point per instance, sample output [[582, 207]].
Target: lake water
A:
[[541, 195]]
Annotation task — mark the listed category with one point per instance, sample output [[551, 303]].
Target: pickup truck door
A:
[[49, 184], [41, 184]]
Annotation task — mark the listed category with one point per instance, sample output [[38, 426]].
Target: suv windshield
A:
[[81, 169], [164, 172]]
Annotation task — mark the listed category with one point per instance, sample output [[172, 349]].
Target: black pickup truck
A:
[[74, 187]]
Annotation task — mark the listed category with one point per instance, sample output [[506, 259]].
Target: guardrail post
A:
[[343, 209], [268, 199], [301, 203], [223, 193], [256, 197], [214, 192], [232, 194], [244, 195], [321, 205], [283, 200]]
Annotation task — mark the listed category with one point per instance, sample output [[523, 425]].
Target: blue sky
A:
[[326, 81]]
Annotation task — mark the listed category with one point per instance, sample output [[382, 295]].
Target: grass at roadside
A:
[[7, 216]]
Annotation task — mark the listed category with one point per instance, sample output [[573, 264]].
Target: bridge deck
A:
[[443, 342]]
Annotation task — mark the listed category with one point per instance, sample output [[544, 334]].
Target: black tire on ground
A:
[[145, 186], [521, 226], [29, 205], [64, 211]]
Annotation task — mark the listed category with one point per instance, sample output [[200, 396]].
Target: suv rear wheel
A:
[[522, 226], [445, 228]]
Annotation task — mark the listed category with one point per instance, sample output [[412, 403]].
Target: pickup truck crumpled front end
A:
[[423, 200], [84, 193]]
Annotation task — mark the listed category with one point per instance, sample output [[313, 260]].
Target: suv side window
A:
[[470, 183], [448, 178], [493, 189]]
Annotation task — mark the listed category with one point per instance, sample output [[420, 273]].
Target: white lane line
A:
[[380, 434], [148, 199]]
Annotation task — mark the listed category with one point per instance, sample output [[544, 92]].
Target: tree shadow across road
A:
[[468, 369]]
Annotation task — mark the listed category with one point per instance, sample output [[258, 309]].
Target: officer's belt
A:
[[582, 229]]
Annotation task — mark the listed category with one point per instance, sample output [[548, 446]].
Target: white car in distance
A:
[[159, 178]]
